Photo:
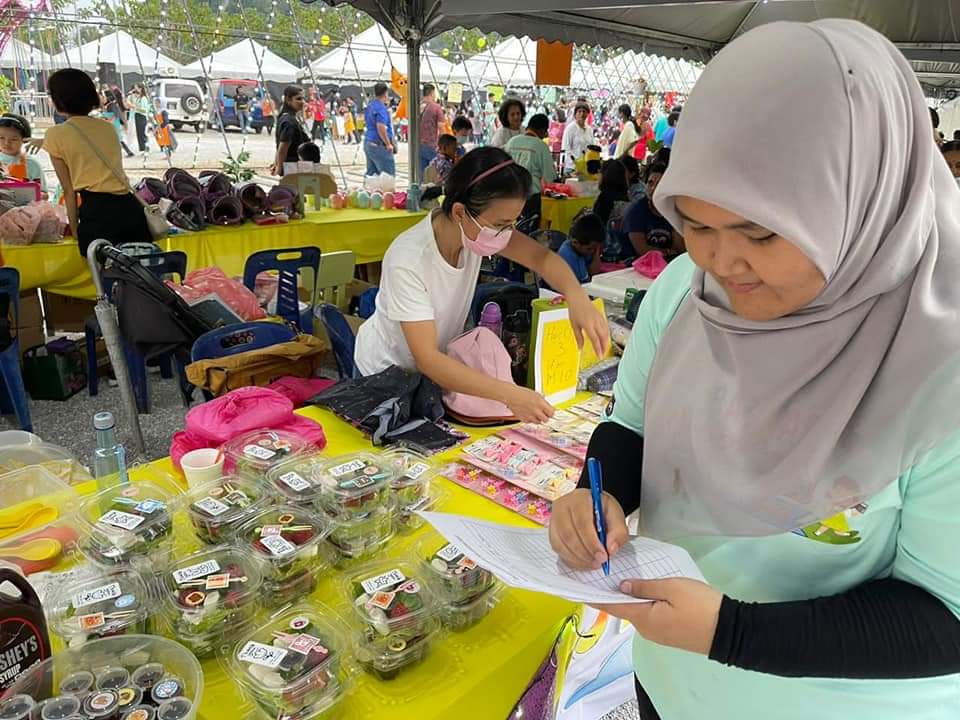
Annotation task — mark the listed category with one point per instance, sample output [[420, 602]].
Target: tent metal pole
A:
[[413, 105]]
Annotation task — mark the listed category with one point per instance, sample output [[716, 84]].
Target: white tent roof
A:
[[369, 56], [513, 63], [662, 74], [240, 61], [119, 48], [17, 54]]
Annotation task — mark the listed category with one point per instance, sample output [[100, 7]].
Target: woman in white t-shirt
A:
[[430, 273]]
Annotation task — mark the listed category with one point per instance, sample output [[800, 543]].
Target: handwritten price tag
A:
[[269, 656], [120, 519], [193, 572], [385, 580], [89, 597]]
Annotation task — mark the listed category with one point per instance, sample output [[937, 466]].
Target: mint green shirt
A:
[[909, 531], [533, 154]]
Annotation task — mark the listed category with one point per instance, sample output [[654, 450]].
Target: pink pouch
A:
[[650, 264], [235, 295], [481, 350], [299, 390]]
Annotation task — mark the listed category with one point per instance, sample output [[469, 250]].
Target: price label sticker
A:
[[258, 452], [383, 581], [347, 468], [277, 545], [122, 520], [449, 552], [91, 622], [416, 470], [268, 656], [304, 643], [149, 506], [98, 594], [193, 572], [295, 482], [211, 506]]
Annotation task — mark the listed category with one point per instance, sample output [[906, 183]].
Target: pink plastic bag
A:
[[215, 422], [36, 222], [299, 390], [650, 264], [205, 281]]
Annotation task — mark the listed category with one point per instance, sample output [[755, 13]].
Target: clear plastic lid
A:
[[207, 590], [391, 598], [355, 485], [32, 498], [108, 604], [256, 452], [387, 655], [452, 576], [285, 535], [297, 480], [293, 666], [356, 537], [460, 616], [411, 469], [218, 507], [127, 522], [407, 518]]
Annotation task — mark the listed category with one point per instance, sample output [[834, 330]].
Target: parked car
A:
[[223, 92], [183, 100]]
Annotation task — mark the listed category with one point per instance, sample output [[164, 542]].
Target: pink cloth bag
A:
[[650, 264], [481, 350], [239, 411]]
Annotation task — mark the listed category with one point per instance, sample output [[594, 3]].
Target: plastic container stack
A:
[[465, 592], [253, 455], [412, 485], [217, 508], [396, 618], [109, 604]]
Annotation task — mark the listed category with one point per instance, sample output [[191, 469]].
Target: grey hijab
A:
[[820, 133]]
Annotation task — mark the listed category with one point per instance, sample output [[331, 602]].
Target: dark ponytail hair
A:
[[511, 181], [290, 91]]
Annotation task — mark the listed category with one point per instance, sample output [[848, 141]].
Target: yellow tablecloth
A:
[[559, 214], [478, 674], [60, 269]]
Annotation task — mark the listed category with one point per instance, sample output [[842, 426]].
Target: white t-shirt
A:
[[575, 141], [416, 284]]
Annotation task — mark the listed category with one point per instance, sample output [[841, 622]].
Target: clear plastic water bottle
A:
[[109, 457], [413, 198], [491, 317]]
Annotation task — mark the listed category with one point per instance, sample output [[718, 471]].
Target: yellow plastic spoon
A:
[[37, 550], [39, 517], [11, 517]]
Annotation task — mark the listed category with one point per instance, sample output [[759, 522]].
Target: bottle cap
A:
[[103, 421]]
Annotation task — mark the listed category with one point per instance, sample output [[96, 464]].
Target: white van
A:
[[184, 101]]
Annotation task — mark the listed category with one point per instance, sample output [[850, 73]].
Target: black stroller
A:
[[145, 312]]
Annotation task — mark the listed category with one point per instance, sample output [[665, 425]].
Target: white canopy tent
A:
[[241, 61], [369, 56], [20, 55], [120, 48], [661, 74]]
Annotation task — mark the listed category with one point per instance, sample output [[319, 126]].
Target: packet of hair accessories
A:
[[23, 630]]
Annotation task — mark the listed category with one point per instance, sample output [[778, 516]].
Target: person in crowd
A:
[[643, 224], [309, 152], [318, 112], [439, 168], [661, 156], [477, 136], [378, 142], [581, 251], [531, 153], [430, 273], [645, 135], [935, 121], [163, 133], [577, 135], [612, 140], [788, 398], [14, 162], [635, 184], [671, 130], [629, 136], [510, 114], [352, 126], [140, 109], [85, 155], [347, 122], [113, 111], [951, 153], [431, 122], [241, 104], [463, 131], [660, 126], [267, 111], [614, 192], [291, 133]]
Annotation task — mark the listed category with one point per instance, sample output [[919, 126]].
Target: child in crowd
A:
[[439, 168], [163, 132], [309, 152], [14, 163], [635, 186], [581, 250], [951, 153], [463, 131]]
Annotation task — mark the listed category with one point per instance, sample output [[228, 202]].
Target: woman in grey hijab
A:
[[791, 392]]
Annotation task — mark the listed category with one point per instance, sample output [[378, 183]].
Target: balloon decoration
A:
[[481, 43], [324, 40], [398, 82], [446, 52]]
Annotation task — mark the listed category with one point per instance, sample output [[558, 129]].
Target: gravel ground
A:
[[627, 711]]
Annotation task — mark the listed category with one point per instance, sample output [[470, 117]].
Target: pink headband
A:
[[488, 173]]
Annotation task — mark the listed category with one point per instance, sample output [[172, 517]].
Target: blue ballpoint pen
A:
[[596, 492]]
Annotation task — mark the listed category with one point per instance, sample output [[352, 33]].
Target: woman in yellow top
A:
[[85, 153]]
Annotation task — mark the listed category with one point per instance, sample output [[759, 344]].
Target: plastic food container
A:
[[33, 498], [128, 524], [412, 485], [81, 682], [288, 542], [217, 508], [396, 614], [361, 537], [454, 578], [293, 667], [461, 616], [254, 454], [297, 481], [112, 603], [211, 597], [353, 486]]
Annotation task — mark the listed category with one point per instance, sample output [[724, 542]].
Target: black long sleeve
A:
[[620, 452], [883, 629]]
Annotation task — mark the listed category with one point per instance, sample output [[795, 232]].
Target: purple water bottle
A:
[[491, 318]]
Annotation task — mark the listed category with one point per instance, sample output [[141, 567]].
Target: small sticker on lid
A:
[[149, 506], [381, 600], [125, 601], [384, 580], [347, 468], [260, 453], [304, 643], [137, 714], [270, 530], [122, 520], [295, 482], [416, 470], [211, 506], [126, 695], [360, 482], [193, 572], [268, 656], [102, 700], [449, 552], [92, 621], [277, 545], [166, 689], [97, 594], [218, 582]]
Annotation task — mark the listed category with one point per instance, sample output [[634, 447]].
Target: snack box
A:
[[255, 453], [112, 603], [353, 486], [218, 507], [359, 538]]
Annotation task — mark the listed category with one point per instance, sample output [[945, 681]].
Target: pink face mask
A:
[[489, 241]]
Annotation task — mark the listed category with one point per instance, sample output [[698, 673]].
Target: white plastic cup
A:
[[203, 465]]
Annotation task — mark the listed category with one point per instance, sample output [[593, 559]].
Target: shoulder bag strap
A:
[[119, 175]]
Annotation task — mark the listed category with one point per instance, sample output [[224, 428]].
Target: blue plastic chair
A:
[[287, 262], [341, 338], [13, 394], [239, 338]]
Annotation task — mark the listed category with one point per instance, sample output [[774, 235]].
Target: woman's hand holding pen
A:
[[573, 532]]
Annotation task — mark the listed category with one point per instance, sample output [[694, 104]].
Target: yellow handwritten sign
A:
[[556, 360], [589, 357], [455, 93]]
